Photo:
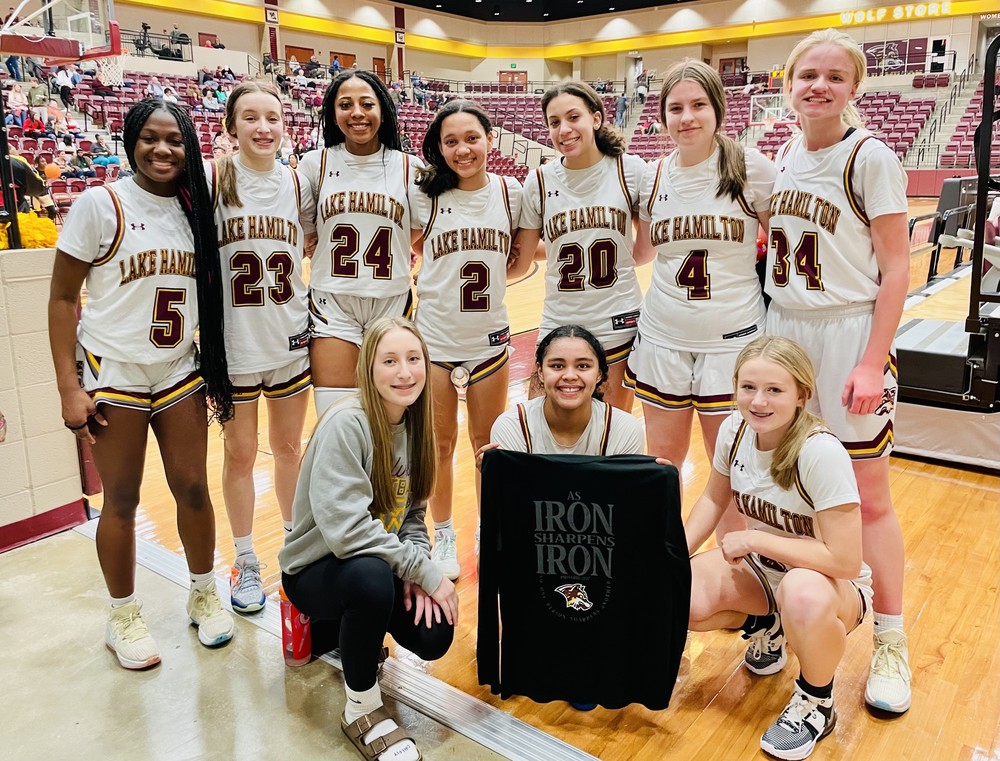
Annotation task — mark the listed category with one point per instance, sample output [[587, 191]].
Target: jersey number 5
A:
[[806, 257], [346, 243], [247, 291], [602, 256], [167, 326]]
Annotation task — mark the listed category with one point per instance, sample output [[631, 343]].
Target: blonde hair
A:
[[228, 192], [793, 358], [732, 157], [422, 450], [851, 116]]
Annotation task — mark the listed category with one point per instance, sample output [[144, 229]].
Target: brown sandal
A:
[[356, 731]]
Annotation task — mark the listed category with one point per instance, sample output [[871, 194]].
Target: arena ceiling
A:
[[509, 11]]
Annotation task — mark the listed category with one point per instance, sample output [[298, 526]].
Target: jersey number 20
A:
[[601, 256]]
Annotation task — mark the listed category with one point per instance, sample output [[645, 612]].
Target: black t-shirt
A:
[[584, 564]]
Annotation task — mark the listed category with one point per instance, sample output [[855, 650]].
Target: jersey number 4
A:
[[602, 256], [805, 256], [693, 275], [346, 244], [249, 269]]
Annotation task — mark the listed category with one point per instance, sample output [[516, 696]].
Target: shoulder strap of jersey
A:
[[116, 240], [298, 188], [623, 180], [323, 153], [505, 192], [406, 169], [606, 433], [522, 418], [541, 193], [736, 441], [783, 150], [432, 216], [656, 185], [857, 206]]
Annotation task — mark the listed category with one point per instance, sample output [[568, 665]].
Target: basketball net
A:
[[112, 69]]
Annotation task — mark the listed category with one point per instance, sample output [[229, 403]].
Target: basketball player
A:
[[361, 266], [258, 216], [585, 204], [793, 482], [701, 208], [838, 266], [150, 259], [357, 561], [570, 416], [465, 220]]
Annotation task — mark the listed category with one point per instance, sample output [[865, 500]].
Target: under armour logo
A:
[[137, 226], [332, 173], [551, 193], [445, 211], [662, 197], [738, 464], [782, 169]]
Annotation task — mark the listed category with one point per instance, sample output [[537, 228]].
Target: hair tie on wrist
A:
[[76, 427]]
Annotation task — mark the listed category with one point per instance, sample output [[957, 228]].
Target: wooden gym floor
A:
[[950, 518]]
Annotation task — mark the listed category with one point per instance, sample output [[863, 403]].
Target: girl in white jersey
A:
[[700, 207], [147, 249], [360, 270], [357, 560], [258, 214], [584, 205], [792, 481], [838, 264], [464, 222]]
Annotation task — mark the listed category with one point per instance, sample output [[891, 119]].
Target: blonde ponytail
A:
[[226, 175]]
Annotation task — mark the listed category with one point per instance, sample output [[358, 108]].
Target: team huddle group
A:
[[795, 402]]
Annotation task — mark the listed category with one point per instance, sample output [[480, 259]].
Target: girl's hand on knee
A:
[[417, 600], [481, 450], [446, 596]]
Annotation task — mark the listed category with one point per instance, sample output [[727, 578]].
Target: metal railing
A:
[[159, 45]]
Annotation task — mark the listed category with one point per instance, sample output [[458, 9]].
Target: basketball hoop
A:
[[112, 69]]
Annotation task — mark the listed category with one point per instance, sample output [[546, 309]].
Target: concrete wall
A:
[[38, 461]]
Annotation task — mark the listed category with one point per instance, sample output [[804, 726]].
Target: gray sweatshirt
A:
[[333, 494]]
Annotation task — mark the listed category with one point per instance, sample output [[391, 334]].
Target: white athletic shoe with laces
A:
[[805, 721], [445, 554], [246, 590], [215, 624], [888, 687], [126, 635]]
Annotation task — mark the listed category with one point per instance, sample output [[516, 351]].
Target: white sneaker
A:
[[888, 687], [445, 554], [246, 590], [215, 625], [126, 636], [804, 722]]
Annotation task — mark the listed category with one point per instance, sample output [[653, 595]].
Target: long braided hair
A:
[[195, 200]]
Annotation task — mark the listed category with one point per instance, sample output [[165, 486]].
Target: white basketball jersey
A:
[[362, 219], [825, 479], [611, 431], [463, 275], [704, 295], [586, 218], [142, 299], [267, 314], [820, 246]]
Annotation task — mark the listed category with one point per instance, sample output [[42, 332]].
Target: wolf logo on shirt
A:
[[576, 596]]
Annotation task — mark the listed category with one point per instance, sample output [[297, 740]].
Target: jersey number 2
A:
[[477, 280]]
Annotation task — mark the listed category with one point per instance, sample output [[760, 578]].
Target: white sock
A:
[[120, 602], [883, 622], [202, 580], [360, 703], [444, 527], [287, 525], [325, 397], [244, 544]]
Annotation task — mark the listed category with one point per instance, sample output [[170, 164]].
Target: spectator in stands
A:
[[191, 91], [40, 165], [217, 43], [227, 74], [223, 141], [394, 93], [299, 80], [405, 142], [293, 65], [100, 89], [267, 63], [601, 86], [13, 67], [75, 75], [420, 95], [621, 106], [642, 87], [653, 127], [222, 94], [38, 96], [292, 161], [64, 81], [312, 66], [154, 89], [101, 152], [33, 126], [67, 147], [29, 184], [17, 105], [169, 94], [82, 164], [207, 77], [285, 149], [284, 84], [210, 102], [335, 66], [178, 38]]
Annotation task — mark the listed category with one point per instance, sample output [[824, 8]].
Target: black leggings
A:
[[355, 602]]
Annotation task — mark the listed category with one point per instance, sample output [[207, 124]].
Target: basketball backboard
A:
[[80, 30]]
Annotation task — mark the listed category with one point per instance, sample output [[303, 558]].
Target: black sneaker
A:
[[766, 652], [804, 722]]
